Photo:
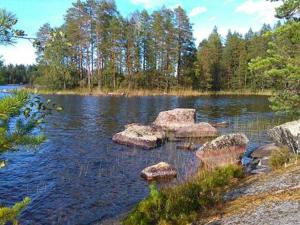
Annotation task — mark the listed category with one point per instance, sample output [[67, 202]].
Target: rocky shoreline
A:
[[218, 151], [180, 125]]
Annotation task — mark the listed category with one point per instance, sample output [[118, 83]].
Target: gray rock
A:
[[224, 150], [265, 150], [181, 123], [261, 170], [287, 134], [174, 119], [198, 130], [271, 213], [146, 137], [159, 171]]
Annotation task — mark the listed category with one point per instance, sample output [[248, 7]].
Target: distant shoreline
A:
[[140, 92]]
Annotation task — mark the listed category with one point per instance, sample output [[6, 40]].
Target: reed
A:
[[148, 92]]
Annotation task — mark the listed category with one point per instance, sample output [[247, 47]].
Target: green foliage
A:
[[280, 68], [7, 31], [55, 65], [17, 74], [152, 51], [97, 46], [26, 120], [180, 204], [290, 9], [208, 63], [11, 214], [280, 157]]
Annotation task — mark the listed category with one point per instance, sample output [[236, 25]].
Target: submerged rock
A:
[[146, 137], [187, 146], [223, 124], [198, 130], [159, 171], [224, 150], [174, 119], [287, 134]]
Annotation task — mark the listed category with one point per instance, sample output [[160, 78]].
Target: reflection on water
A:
[[79, 176]]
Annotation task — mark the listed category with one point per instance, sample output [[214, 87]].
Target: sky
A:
[[237, 15]]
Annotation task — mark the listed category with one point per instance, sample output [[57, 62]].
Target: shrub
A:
[[280, 157], [179, 205]]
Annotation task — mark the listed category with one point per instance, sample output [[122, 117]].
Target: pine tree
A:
[[290, 9], [280, 68], [186, 50], [8, 34], [215, 55]]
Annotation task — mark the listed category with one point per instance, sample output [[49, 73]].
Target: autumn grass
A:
[[149, 92], [282, 157], [181, 204]]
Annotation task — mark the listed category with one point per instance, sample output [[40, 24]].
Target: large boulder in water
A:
[[197, 130], [174, 119], [224, 150], [159, 171], [181, 123], [146, 137], [287, 134]]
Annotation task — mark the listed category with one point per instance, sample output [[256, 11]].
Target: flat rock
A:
[[146, 137], [197, 130], [159, 171], [261, 170], [174, 119], [265, 150], [224, 150], [287, 134]]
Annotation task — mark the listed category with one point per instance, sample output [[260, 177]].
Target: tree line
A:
[[17, 74], [96, 46]]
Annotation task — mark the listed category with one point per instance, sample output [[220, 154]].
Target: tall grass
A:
[[282, 157], [181, 204], [149, 92]]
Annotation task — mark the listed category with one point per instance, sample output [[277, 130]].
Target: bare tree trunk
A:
[[88, 68]]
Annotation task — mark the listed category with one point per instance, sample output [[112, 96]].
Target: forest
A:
[[97, 47]]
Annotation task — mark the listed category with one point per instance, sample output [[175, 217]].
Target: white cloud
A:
[[146, 3], [149, 4], [262, 10], [197, 11], [213, 18], [22, 53], [226, 2], [176, 6]]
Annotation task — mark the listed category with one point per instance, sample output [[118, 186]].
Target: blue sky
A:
[[237, 15]]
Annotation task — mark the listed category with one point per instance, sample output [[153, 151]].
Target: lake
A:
[[79, 176]]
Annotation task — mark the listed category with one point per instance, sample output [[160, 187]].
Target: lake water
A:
[[79, 176]]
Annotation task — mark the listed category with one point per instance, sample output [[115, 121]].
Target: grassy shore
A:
[[201, 200], [147, 92]]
